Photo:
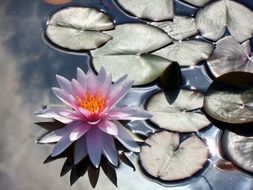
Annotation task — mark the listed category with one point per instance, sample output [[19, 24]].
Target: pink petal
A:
[[78, 89], [79, 130], [80, 151], [81, 76], [101, 77], [62, 145], [105, 87], [64, 84], [128, 113], [64, 97], [94, 146], [109, 149], [60, 114], [120, 81], [126, 140], [92, 85], [108, 127], [50, 138], [117, 93], [84, 112], [57, 134]]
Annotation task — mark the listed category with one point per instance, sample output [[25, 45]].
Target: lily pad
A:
[[78, 28], [213, 19], [186, 53], [140, 68], [198, 3], [57, 2], [229, 55], [239, 149], [181, 27], [178, 115], [229, 98], [133, 39], [164, 157], [153, 10], [127, 52]]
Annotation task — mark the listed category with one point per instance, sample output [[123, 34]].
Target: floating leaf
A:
[[133, 39], [229, 98], [186, 52], [168, 159], [177, 116], [127, 50], [153, 10], [230, 56], [78, 28], [181, 27], [213, 19], [57, 2], [198, 3], [238, 149], [140, 68]]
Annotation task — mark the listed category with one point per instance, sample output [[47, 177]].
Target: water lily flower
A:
[[92, 117]]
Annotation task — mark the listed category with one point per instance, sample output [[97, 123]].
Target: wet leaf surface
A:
[[78, 28], [168, 159], [229, 55], [181, 27], [229, 98], [178, 115], [239, 149], [133, 39], [198, 3], [57, 2], [140, 68], [213, 19], [186, 53], [149, 9]]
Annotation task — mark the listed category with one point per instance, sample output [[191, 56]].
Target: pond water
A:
[[28, 66]]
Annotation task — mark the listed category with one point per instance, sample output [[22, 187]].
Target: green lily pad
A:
[[178, 115], [79, 28], [133, 39], [181, 27], [140, 68], [127, 52], [229, 55], [229, 98], [213, 19], [238, 149], [164, 157], [186, 53], [153, 10]]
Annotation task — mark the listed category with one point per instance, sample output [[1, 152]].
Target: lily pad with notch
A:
[[166, 158], [149, 9], [214, 18], [127, 53], [79, 28], [180, 115], [229, 55], [229, 101], [186, 53]]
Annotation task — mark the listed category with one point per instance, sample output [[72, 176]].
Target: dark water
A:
[[27, 72]]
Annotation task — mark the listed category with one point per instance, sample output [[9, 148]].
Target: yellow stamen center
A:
[[94, 103]]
